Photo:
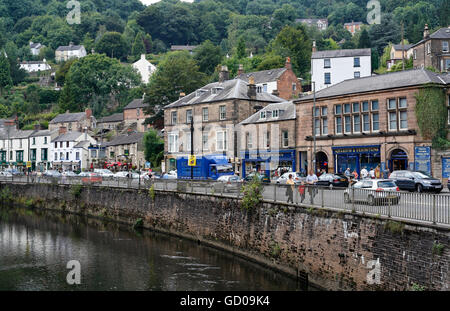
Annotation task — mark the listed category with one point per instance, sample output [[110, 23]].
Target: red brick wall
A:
[[284, 85]]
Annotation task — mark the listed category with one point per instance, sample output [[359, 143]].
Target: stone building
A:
[[64, 53], [216, 108], [268, 139], [110, 122], [398, 53], [280, 80], [135, 113], [126, 149], [353, 27], [367, 122], [433, 50], [77, 121]]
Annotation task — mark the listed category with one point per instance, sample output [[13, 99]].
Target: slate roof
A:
[[379, 82], [69, 136], [442, 33], [68, 117], [341, 53], [20, 134], [35, 45], [183, 47], [83, 144], [231, 89], [136, 103], [263, 76], [117, 117], [126, 139], [69, 48], [43, 133], [406, 47], [286, 112], [33, 62], [353, 23]]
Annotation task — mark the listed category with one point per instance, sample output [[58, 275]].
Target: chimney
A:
[[88, 113], [241, 69], [288, 64], [37, 127], [71, 43], [251, 91], [426, 32], [143, 56], [314, 48], [182, 94], [224, 74], [62, 130], [275, 93]]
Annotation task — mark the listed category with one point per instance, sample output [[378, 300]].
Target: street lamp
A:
[[192, 144], [314, 126]]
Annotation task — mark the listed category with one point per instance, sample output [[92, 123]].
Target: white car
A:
[[104, 172], [5, 174], [295, 176], [373, 191], [125, 174], [69, 174]]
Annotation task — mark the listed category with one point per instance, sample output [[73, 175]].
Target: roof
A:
[[43, 133], [353, 23], [341, 53], [442, 33], [68, 117], [70, 48], [126, 139], [117, 117], [33, 63], [20, 134], [380, 82], [83, 144], [230, 89], [69, 136], [183, 47], [286, 112], [405, 47], [311, 20], [35, 45], [136, 103], [263, 76]]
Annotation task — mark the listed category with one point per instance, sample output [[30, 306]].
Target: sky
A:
[[154, 1]]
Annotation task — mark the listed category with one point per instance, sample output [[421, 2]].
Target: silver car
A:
[[228, 183], [295, 176], [373, 191]]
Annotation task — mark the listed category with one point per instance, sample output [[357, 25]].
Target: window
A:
[[19, 156], [324, 111], [33, 154], [67, 144], [324, 126], [375, 122], [348, 124], [447, 64], [398, 115], [445, 46], [317, 126], [402, 103], [67, 156], [392, 121], [428, 48], [366, 123], [259, 89], [61, 156], [365, 106], [56, 145], [173, 117], [375, 105], [262, 115], [317, 112], [265, 88], [294, 87], [45, 140], [347, 108], [205, 114], [320, 120], [327, 78], [355, 107], [223, 112], [285, 139], [357, 74], [415, 54], [326, 63], [173, 142], [403, 120], [275, 113], [356, 62], [392, 104], [222, 141], [188, 141], [138, 112], [188, 115], [34, 140], [56, 156], [205, 141], [77, 156], [338, 109], [44, 154], [248, 140], [338, 125], [356, 123]]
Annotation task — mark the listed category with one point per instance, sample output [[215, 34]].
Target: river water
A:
[[35, 247]]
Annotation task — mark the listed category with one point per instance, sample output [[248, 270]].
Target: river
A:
[[36, 245]]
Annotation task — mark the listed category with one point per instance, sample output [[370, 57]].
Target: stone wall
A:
[[339, 251]]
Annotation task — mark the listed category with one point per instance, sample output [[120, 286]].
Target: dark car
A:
[[448, 184], [416, 181], [332, 180], [262, 177]]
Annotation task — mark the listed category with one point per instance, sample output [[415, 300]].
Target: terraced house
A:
[[370, 121], [216, 109], [433, 50]]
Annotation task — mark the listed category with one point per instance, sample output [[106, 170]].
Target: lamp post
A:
[[314, 127], [192, 144]]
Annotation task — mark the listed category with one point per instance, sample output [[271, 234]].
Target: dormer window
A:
[[275, 113], [216, 90], [262, 115], [259, 89], [200, 92]]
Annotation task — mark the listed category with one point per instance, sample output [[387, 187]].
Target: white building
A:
[[35, 66], [40, 149], [68, 151], [331, 67], [320, 23], [145, 68], [64, 53], [35, 48]]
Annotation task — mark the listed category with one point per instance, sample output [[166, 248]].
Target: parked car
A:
[[52, 173], [373, 191], [126, 174], [332, 181], [90, 178], [170, 175], [228, 183], [104, 172], [14, 172], [262, 177], [297, 177], [87, 174], [6, 174], [69, 174], [416, 181], [448, 184]]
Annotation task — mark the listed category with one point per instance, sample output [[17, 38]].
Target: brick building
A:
[[366, 122], [127, 149], [268, 139], [280, 80], [433, 50], [353, 27], [216, 108], [134, 112], [77, 121]]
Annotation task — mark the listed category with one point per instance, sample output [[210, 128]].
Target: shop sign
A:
[[423, 159], [445, 167], [371, 149]]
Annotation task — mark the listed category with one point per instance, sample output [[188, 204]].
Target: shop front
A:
[[267, 161], [356, 158]]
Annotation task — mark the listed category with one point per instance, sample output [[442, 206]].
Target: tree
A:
[[113, 45], [208, 56], [240, 50], [138, 45], [60, 75], [177, 72], [5, 74], [96, 81], [148, 43], [364, 40], [153, 148]]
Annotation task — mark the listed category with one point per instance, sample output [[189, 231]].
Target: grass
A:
[[151, 192], [394, 226], [438, 249]]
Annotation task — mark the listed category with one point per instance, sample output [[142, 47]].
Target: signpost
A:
[[423, 159], [192, 160]]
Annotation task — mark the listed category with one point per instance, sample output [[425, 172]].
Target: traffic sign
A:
[[192, 160], [28, 164]]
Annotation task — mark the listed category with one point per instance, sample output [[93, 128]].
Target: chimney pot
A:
[[241, 69], [288, 64], [182, 94], [426, 32], [62, 130], [224, 74], [314, 48], [88, 112]]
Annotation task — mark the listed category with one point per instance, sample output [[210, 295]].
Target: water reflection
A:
[[36, 246]]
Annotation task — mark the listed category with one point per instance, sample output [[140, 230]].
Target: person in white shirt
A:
[[372, 173], [364, 173], [311, 180]]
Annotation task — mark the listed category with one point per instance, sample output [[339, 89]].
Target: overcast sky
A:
[[154, 1]]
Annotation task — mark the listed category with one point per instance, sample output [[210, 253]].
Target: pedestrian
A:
[[355, 174], [364, 173], [348, 173], [301, 191], [377, 172], [290, 189], [372, 173], [311, 180]]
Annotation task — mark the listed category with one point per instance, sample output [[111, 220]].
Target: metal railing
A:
[[421, 207]]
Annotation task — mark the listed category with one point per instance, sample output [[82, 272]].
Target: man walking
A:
[[290, 189], [311, 180]]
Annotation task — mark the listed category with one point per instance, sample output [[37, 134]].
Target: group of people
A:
[[311, 180], [374, 173]]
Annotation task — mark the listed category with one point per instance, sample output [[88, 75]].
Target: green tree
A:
[[138, 45], [113, 45], [60, 75], [153, 148], [364, 40], [208, 56], [240, 50], [5, 74], [148, 43]]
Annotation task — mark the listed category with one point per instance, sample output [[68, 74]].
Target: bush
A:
[[252, 194]]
